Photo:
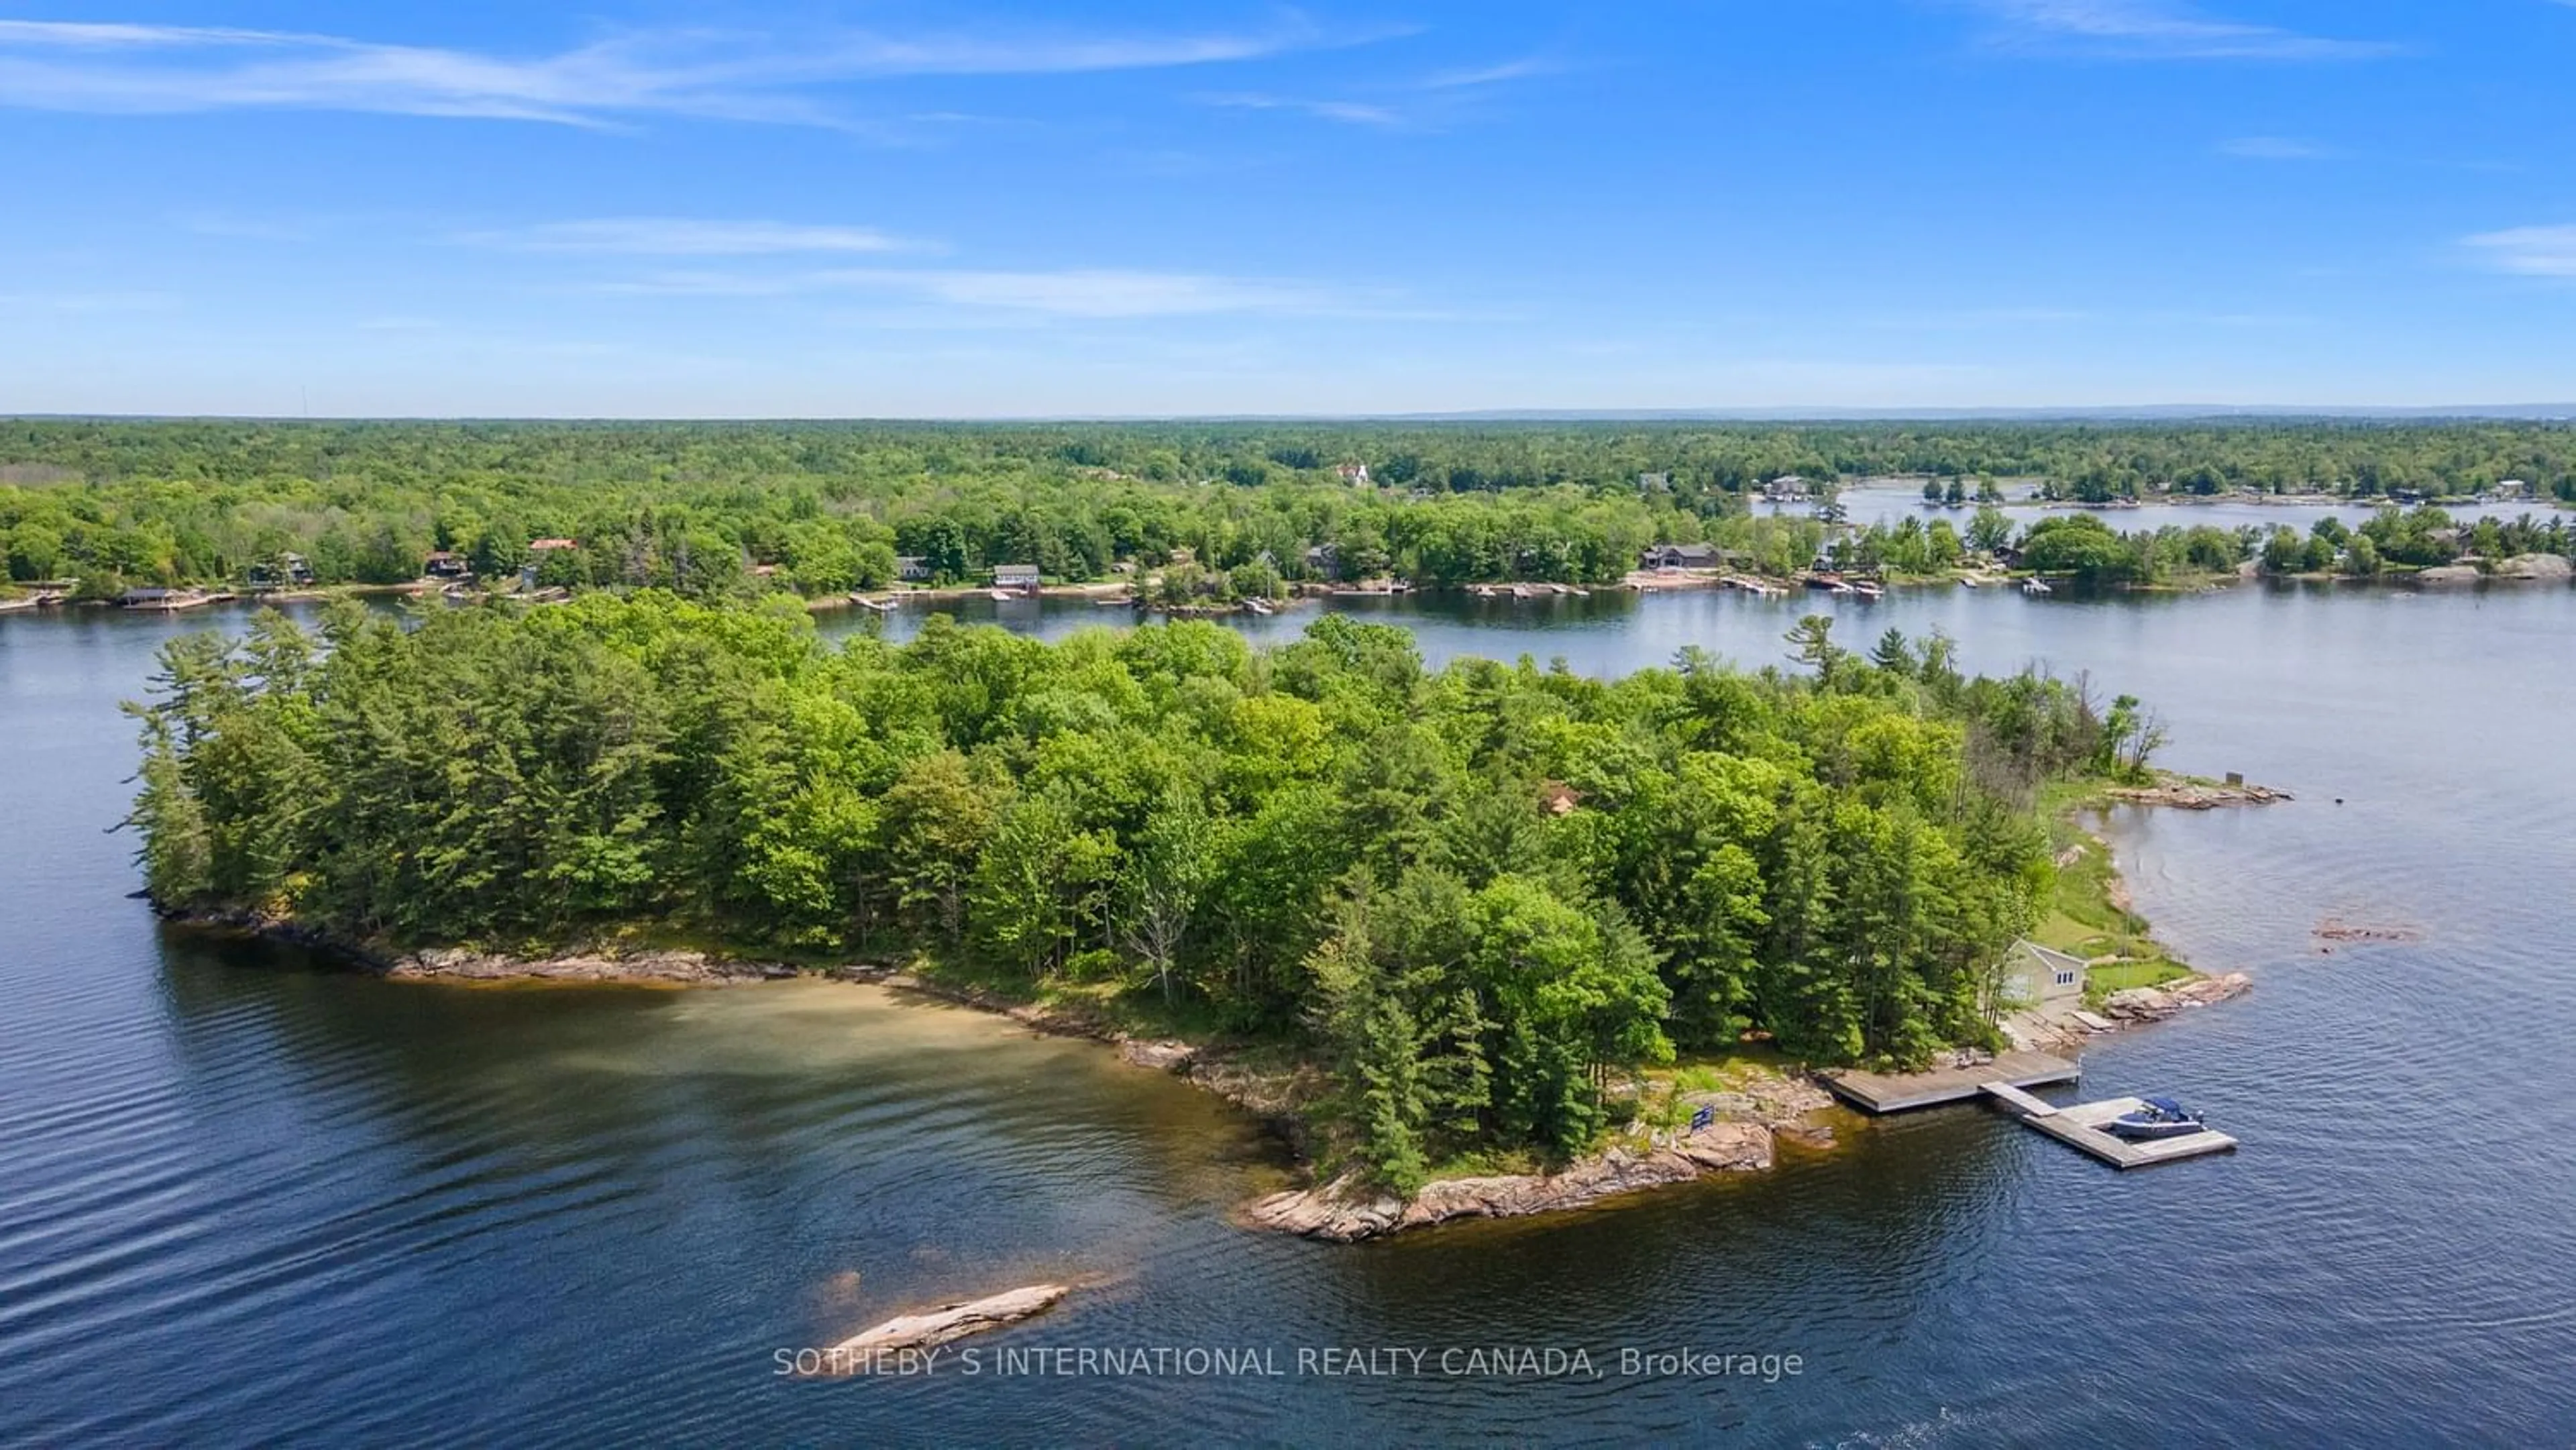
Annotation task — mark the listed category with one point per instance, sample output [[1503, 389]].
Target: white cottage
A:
[[2038, 976]]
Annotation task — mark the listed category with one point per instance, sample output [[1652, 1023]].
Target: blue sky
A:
[[987, 209]]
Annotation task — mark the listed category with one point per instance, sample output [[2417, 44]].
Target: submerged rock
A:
[[1160, 1056]]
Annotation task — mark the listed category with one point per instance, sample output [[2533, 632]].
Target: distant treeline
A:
[[710, 510], [1474, 893], [2088, 547]]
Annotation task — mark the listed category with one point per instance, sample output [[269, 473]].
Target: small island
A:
[[1491, 939]]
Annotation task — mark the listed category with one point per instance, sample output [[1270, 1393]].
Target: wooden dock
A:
[[1882, 1092], [2002, 1081], [2080, 1127]]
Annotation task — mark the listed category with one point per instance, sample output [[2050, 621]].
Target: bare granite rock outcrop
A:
[[670, 968], [1344, 1212], [2194, 795], [2154, 1004], [932, 1327], [2535, 566]]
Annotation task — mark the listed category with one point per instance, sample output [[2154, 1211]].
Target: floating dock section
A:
[[2003, 1080], [2081, 1128]]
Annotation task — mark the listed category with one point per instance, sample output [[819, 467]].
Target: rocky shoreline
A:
[[2127, 1009], [2197, 795], [1747, 1122], [1743, 1137], [1344, 1211]]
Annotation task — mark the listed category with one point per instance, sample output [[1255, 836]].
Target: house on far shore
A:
[[1353, 474], [1787, 488], [548, 546], [1324, 560], [281, 572], [912, 568], [1022, 577], [446, 565], [1682, 556], [2038, 976]]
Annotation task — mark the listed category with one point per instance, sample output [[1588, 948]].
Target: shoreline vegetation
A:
[[1757, 1099], [1484, 940], [1205, 517]]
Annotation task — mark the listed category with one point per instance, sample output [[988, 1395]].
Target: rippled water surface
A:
[[245, 1199]]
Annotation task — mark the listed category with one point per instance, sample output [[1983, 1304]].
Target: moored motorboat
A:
[[2156, 1118]]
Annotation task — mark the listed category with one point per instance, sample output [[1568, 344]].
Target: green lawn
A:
[[2084, 919], [2120, 976]]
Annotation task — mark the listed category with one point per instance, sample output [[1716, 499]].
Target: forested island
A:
[[817, 510], [1476, 900]]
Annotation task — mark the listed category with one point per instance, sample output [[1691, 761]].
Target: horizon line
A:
[[2517, 412]]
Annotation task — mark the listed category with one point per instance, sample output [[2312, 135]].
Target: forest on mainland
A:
[[714, 510], [1474, 896]]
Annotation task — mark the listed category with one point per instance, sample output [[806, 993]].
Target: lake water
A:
[[1878, 503], [245, 1199]]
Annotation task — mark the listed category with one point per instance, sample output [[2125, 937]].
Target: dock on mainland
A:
[[1895, 1092], [2004, 1079]]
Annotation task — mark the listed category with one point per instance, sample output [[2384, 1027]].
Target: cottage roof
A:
[[2048, 958]]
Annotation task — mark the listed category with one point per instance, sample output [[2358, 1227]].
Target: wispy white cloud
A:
[[2157, 30], [1356, 113], [690, 237], [2528, 251], [1102, 293], [1511, 70], [2034, 317], [1095, 293], [147, 69], [2276, 148], [1426, 102]]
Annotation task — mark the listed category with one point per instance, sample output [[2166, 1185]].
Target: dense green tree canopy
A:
[[1475, 891], [711, 510]]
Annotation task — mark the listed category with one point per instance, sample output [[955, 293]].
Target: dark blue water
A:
[[242, 1199]]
